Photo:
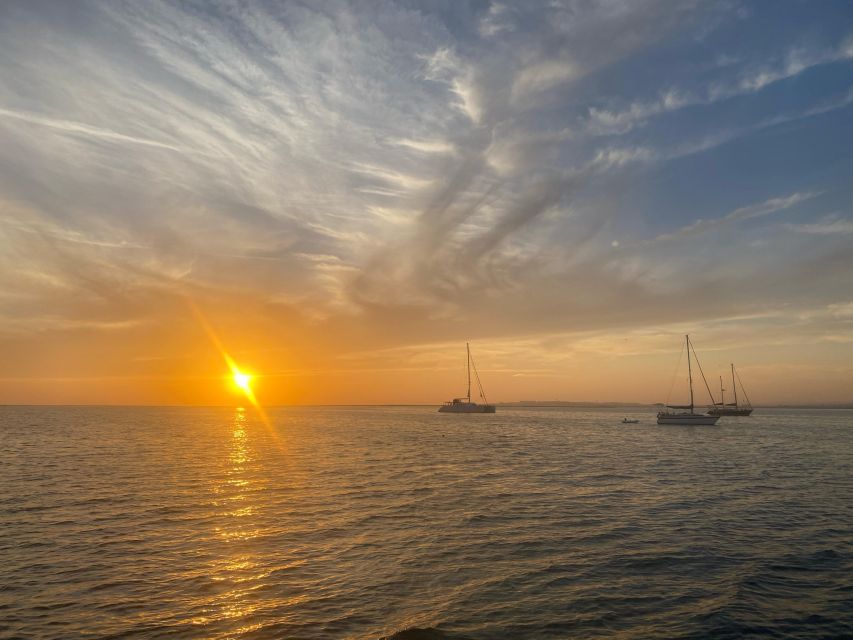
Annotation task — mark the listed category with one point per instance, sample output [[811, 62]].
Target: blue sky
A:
[[402, 176]]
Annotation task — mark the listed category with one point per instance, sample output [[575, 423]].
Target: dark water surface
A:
[[365, 522]]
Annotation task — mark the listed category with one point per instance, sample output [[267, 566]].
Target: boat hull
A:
[[466, 407], [686, 418], [729, 412]]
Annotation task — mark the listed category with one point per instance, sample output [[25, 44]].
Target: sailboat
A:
[[732, 408], [464, 405], [684, 414]]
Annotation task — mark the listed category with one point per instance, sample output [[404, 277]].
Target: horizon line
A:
[[519, 404]]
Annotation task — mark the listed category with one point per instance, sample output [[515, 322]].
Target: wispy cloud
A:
[[77, 128], [615, 121], [829, 225], [773, 205]]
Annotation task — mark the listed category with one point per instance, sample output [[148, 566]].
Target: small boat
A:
[[722, 408], [465, 405], [684, 413], [629, 421]]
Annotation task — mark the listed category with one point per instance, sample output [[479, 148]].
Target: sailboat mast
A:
[[734, 384], [468, 351], [722, 393], [689, 372]]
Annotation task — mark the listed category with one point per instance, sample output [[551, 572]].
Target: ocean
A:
[[400, 522]]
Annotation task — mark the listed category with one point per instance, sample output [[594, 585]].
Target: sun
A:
[[242, 380]]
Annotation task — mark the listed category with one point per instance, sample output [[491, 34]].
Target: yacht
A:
[[684, 413], [466, 405], [722, 408]]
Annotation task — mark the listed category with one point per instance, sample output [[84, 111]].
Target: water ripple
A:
[[403, 524]]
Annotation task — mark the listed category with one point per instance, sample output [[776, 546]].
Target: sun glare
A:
[[242, 380]]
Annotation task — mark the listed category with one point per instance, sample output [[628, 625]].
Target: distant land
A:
[[604, 405], [565, 403]]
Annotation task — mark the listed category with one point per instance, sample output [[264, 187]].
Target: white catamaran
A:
[[464, 405], [722, 408], [684, 414]]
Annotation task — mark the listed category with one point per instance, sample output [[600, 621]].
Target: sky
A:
[[344, 193]]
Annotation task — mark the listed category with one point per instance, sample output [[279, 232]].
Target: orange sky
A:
[[169, 359]]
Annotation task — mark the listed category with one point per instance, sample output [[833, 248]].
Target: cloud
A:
[[726, 135], [773, 205], [602, 121], [841, 310], [609, 122], [77, 128], [427, 146], [543, 75], [829, 225], [794, 63], [496, 20]]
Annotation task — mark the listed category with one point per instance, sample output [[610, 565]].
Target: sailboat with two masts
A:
[[684, 414], [465, 405], [722, 408]]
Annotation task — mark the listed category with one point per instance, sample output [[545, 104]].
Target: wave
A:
[[427, 633]]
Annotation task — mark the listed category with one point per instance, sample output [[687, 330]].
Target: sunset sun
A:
[[242, 380]]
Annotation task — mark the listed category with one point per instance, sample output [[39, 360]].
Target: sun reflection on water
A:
[[240, 451], [236, 528]]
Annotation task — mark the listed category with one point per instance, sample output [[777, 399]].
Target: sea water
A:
[[400, 521]]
